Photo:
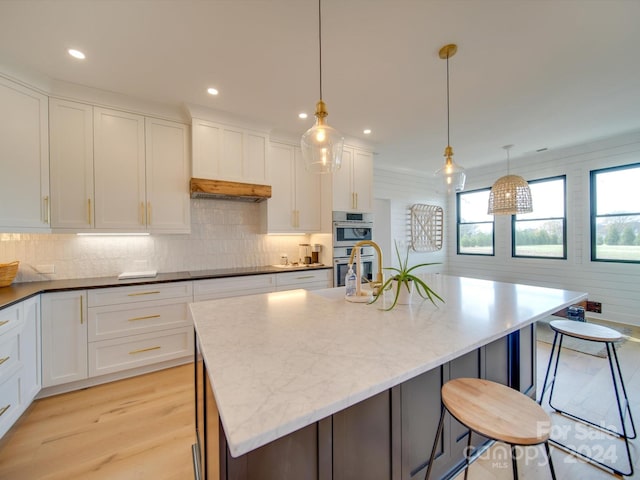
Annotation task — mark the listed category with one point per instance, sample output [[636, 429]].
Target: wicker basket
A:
[[8, 273]]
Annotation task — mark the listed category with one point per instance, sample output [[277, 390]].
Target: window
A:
[[475, 226], [615, 214], [542, 233]]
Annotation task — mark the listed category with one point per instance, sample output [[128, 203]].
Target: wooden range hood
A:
[[246, 192]]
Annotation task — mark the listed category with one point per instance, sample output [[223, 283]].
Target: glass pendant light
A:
[[510, 194], [451, 173], [321, 144]]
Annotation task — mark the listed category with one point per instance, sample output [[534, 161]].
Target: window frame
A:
[[593, 217], [514, 221], [458, 223]]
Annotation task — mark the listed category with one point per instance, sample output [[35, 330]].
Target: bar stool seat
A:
[[496, 411], [591, 333]]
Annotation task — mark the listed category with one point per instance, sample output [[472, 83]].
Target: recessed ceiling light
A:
[[366, 131], [212, 91], [302, 115], [76, 54]]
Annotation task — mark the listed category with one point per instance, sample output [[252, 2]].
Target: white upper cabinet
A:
[[139, 166], [295, 200], [71, 161], [168, 208], [119, 164], [24, 159], [353, 183], [224, 152]]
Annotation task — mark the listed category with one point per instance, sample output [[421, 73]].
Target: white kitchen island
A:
[[308, 385]]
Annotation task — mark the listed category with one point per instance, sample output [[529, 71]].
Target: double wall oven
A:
[[348, 229]]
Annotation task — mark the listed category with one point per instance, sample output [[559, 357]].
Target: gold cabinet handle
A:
[[2, 360], [81, 311], [46, 209], [142, 350], [142, 213], [304, 276], [148, 213], [89, 210], [143, 293], [4, 409], [147, 317], [4, 322], [356, 200]]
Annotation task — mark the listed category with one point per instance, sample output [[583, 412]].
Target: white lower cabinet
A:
[[307, 279], [64, 337], [19, 360], [214, 288], [109, 356], [137, 326]]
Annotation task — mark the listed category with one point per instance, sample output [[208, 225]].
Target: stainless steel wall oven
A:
[[348, 229]]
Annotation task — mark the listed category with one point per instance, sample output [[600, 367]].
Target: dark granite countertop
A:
[[21, 291]]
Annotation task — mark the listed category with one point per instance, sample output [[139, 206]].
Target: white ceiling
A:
[[533, 73]]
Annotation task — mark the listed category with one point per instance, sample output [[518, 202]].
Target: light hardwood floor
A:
[[138, 428], [142, 428]]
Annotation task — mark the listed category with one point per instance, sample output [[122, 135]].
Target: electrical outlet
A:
[[45, 268], [595, 307]]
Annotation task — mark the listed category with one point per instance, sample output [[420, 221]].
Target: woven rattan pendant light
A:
[[510, 194]]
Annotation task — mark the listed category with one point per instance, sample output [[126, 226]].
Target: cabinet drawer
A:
[[10, 407], [9, 353], [302, 277], [115, 355], [139, 293], [233, 286], [10, 318], [121, 320]]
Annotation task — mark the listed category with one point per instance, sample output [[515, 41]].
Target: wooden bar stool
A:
[[592, 333], [496, 411]]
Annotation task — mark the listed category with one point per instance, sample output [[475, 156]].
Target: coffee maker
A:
[[316, 248]]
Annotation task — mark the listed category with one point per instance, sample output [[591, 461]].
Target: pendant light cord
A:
[[448, 140], [320, 42]]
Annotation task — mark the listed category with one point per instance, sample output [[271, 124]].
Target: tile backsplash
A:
[[224, 234]]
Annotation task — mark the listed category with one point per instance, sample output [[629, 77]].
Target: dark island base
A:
[[388, 436]]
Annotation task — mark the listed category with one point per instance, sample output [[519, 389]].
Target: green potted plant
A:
[[403, 281]]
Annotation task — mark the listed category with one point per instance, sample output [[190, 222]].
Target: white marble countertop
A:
[[281, 361]]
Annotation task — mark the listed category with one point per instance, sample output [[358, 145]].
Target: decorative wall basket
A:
[[426, 227]]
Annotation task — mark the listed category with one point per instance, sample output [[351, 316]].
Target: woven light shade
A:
[[510, 195]]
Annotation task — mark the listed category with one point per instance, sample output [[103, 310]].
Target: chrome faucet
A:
[[379, 280]]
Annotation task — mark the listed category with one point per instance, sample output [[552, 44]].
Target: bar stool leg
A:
[[467, 455], [435, 444], [624, 392], [548, 450], [546, 375], [514, 462], [555, 370]]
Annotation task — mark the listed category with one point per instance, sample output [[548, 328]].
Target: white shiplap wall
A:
[[402, 190], [615, 285]]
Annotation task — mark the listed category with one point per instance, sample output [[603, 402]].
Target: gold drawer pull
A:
[[4, 322], [142, 350], [4, 409], [304, 276], [2, 360], [143, 293], [143, 318]]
